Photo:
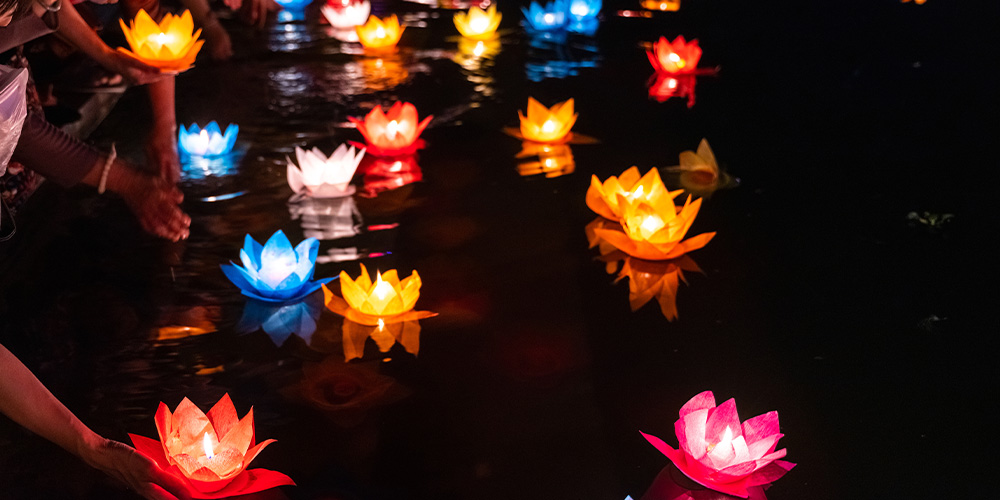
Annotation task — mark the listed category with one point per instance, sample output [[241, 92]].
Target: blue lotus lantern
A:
[[206, 142], [584, 10], [276, 272], [293, 5], [551, 17]]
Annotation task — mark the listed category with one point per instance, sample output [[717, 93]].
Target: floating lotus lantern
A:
[[344, 16], [294, 5], [584, 10], [323, 177], [547, 124], [677, 57], [382, 301], [385, 335], [276, 272], [664, 86], [207, 142], [603, 198], [171, 45], [653, 230], [380, 34], [393, 133], [478, 24], [662, 5], [209, 453], [719, 452], [551, 17]]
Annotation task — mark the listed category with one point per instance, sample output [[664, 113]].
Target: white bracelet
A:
[[107, 168]]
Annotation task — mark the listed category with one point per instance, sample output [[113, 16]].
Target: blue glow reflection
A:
[[281, 321]]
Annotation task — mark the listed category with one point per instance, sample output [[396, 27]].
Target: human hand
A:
[[161, 151], [155, 202], [233, 4], [139, 473], [134, 70], [254, 12], [220, 47]]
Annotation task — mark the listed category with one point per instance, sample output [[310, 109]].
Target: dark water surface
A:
[[821, 297]]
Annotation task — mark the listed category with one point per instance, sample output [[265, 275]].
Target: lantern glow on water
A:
[[324, 177], [276, 272], [347, 16], [209, 453], [171, 45], [380, 34], [551, 17], [677, 57], [207, 142], [393, 133], [662, 5], [547, 125], [665, 86], [478, 24]]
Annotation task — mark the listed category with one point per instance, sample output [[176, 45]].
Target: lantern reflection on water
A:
[[326, 218], [664, 86], [662, 5], [209, 453], [551, 160], [392, 173], [672, 484], [281, 321], [385, 334], [171, 45]]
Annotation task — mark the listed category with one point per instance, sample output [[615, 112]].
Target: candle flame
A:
[[382, 288], [637, 193], [549, 18], [207, 443], [479, 24], [381, 324], [676, 59], [549, 126], [379, 32], [652, 224], [392, 129]]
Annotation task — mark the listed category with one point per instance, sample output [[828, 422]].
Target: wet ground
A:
[[848, 287]]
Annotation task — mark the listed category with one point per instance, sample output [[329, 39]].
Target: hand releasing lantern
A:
[[678, 57], [209, 453], [719, 452], [384, 300], [478, 24], [348, 15], [603, 198], [170, 45], [380, 34], [394, 133], [207, 142], [547, 125], [324, 177], [276, 272]]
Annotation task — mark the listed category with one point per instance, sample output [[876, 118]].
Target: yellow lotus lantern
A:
[[477, 23], [653, 230], [382, 301], [603, 197], [380, 34], [662, 5], [547, 124], [171, 45]]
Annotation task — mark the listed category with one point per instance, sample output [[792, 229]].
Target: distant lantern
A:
[[662, 5], [552, 16], [171, 45], [380, 34], [346, 16], [207, 142], [477, 23], [321, 176], [677, 57], [393, 133], [548, 125]]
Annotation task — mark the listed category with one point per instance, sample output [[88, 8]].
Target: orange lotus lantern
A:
[[382, 301], [380, 34], [209, 453], [662, 5], [394, 133], [603, 198], [547, 124], [477, 23], [653, 230], [171, 45], [677, 57]]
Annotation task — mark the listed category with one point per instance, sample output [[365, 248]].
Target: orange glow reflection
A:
[[551, 160], [662, 5], [385, 335]]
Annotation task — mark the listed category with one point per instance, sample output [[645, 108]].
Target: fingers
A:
[[154, 492], [170, 485], [262, 10]]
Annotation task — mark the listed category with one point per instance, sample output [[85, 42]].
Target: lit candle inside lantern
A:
[[552, 16], [393, 133], [170, 45], [662, 5], [547, 125], [382, 289], [679, 56], [207, 444], [392, 129], [384, 300], [549, 18], [380, 34], [478, 24]]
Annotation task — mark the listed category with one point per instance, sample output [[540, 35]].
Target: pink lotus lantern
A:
[[677, 57], [394, 133], [719, 452]]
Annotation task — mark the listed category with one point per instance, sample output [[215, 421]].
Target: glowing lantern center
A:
[[392, 129], [159, 39], [727, 440], [207, 443], [276, 267], [635, 194], [549, 18], [382, 289], [379, 32], [676, 59], [381, 324], [652, 224], [479, 24], [579, 9], [549, 126]]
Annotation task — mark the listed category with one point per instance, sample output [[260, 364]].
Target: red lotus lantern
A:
[[393, 133], [677, 57]]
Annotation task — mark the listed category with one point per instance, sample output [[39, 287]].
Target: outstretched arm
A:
[[26, 401]]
